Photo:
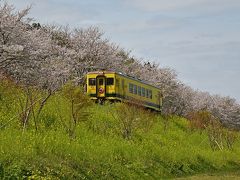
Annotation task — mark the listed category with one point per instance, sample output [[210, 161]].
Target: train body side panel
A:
[[123, 91]]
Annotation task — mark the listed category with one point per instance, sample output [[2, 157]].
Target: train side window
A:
[[139, 90], [135, 89], [150, 94], [110, 81], [91, 81], [143, 92], [130, 88], [147, 93]]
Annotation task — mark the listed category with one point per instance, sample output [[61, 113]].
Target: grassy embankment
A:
[[109, 141]]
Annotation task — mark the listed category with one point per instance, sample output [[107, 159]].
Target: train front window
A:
[[91, 81], [100, 82], [110, 81]]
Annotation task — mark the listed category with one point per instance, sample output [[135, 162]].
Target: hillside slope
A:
[[105, 142]]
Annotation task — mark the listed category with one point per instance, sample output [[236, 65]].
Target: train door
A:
[[159, 99], [123, 89], [101, 86]]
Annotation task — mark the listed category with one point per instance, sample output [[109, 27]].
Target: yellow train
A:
[[110, 85]]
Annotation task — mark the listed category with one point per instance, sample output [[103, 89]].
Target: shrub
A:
[[199, 120], [131, 117], [219, 136], [77, 101]]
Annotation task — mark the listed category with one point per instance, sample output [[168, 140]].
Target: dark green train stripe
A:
[[128, 98], [92, 95]]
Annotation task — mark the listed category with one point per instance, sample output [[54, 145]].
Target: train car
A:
[[114, 86]]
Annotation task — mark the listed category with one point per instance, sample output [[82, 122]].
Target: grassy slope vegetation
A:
[[107, 142]]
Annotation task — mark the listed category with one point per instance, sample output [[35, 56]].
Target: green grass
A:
[[156, 147]]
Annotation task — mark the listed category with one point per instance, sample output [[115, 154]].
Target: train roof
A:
[[123, 74]]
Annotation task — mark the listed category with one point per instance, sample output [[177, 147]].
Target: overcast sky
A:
[[200, 39]]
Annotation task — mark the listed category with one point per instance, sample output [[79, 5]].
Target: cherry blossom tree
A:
[[46, 57]]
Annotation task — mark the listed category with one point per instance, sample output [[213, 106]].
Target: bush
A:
[[219, 136], [199, 120], [130, 118], [77, 102]]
